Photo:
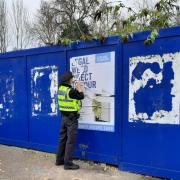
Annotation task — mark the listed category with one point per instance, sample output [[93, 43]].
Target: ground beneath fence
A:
[[22, 164]]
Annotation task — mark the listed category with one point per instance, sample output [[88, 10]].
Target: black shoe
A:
[[71, 166], [59, 163]]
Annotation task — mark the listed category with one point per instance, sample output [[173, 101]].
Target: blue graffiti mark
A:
[[141, 67], [154, 97]]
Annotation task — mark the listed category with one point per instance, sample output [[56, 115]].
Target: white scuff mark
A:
[[6, 105], [37, 106], [54, 90], [33, 113], [53, 106], [148, 74], [4, 98], [10, 86], [37, 73], [10, 116], [9, 92], [11, 101], [44, 67], [54, 83], [176, 85], [141, 116], [161, 116], [36, 95]]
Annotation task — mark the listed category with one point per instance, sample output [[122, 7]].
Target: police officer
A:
[[69, 100]]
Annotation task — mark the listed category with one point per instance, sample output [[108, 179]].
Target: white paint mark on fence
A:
[[41, 94], [6, 98], [158, 116], [54, 91], [37, 76]]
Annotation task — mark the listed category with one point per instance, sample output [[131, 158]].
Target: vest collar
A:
[[65, 84]]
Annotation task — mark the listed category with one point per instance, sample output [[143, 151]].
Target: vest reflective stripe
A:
[[65, 102], [67, 107], [61, 92]]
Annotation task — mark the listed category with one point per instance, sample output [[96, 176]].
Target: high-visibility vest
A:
[[65, 102]]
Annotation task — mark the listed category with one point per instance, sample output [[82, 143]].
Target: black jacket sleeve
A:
[[74, 94]]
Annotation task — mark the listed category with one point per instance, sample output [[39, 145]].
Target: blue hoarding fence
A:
[[131, 113]]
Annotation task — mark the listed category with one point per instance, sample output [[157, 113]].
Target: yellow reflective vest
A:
[[65, 102]]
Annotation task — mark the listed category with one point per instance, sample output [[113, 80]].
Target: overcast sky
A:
[[33, 5]]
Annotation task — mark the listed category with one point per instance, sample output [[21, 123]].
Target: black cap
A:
[[66, 76]]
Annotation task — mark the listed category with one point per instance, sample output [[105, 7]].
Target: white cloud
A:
[[31, 5]]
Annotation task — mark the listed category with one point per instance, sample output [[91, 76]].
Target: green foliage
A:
[[162, 15], [151, 38], [64, 41], [75, 30]]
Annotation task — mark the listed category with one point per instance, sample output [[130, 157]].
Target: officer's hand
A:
[[79, 87]]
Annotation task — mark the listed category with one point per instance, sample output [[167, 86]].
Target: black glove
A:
[[77, 116]]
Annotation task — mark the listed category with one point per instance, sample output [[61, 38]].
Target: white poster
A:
[[97, 72]]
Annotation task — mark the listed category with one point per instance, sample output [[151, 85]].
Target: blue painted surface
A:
[[13, 98], [150, 148], [158, 99], [101, 145], [141, 67], [43, 123]]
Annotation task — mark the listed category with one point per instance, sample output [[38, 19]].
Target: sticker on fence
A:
[[44, 88], [154, 89]]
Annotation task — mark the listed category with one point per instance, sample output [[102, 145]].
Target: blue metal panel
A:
[[97, 145], [13, 100], [151, 147], [43, 71], [163, 33], [33, 51]]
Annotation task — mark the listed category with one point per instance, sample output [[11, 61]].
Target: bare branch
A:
[[3, 27], [20, 24]]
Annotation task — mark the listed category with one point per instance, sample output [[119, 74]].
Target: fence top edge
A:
[[112, 40], [163, 33], [60, 48]]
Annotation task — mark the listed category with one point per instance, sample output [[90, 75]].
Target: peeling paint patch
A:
[[44, 89], [6, 97], [154, 89]]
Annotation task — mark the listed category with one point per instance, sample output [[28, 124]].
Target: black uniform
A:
[[68, 132]]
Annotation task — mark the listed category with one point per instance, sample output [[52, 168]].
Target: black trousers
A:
[[67, 139]]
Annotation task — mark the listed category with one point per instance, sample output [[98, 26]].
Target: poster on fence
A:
[[97, 72]]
